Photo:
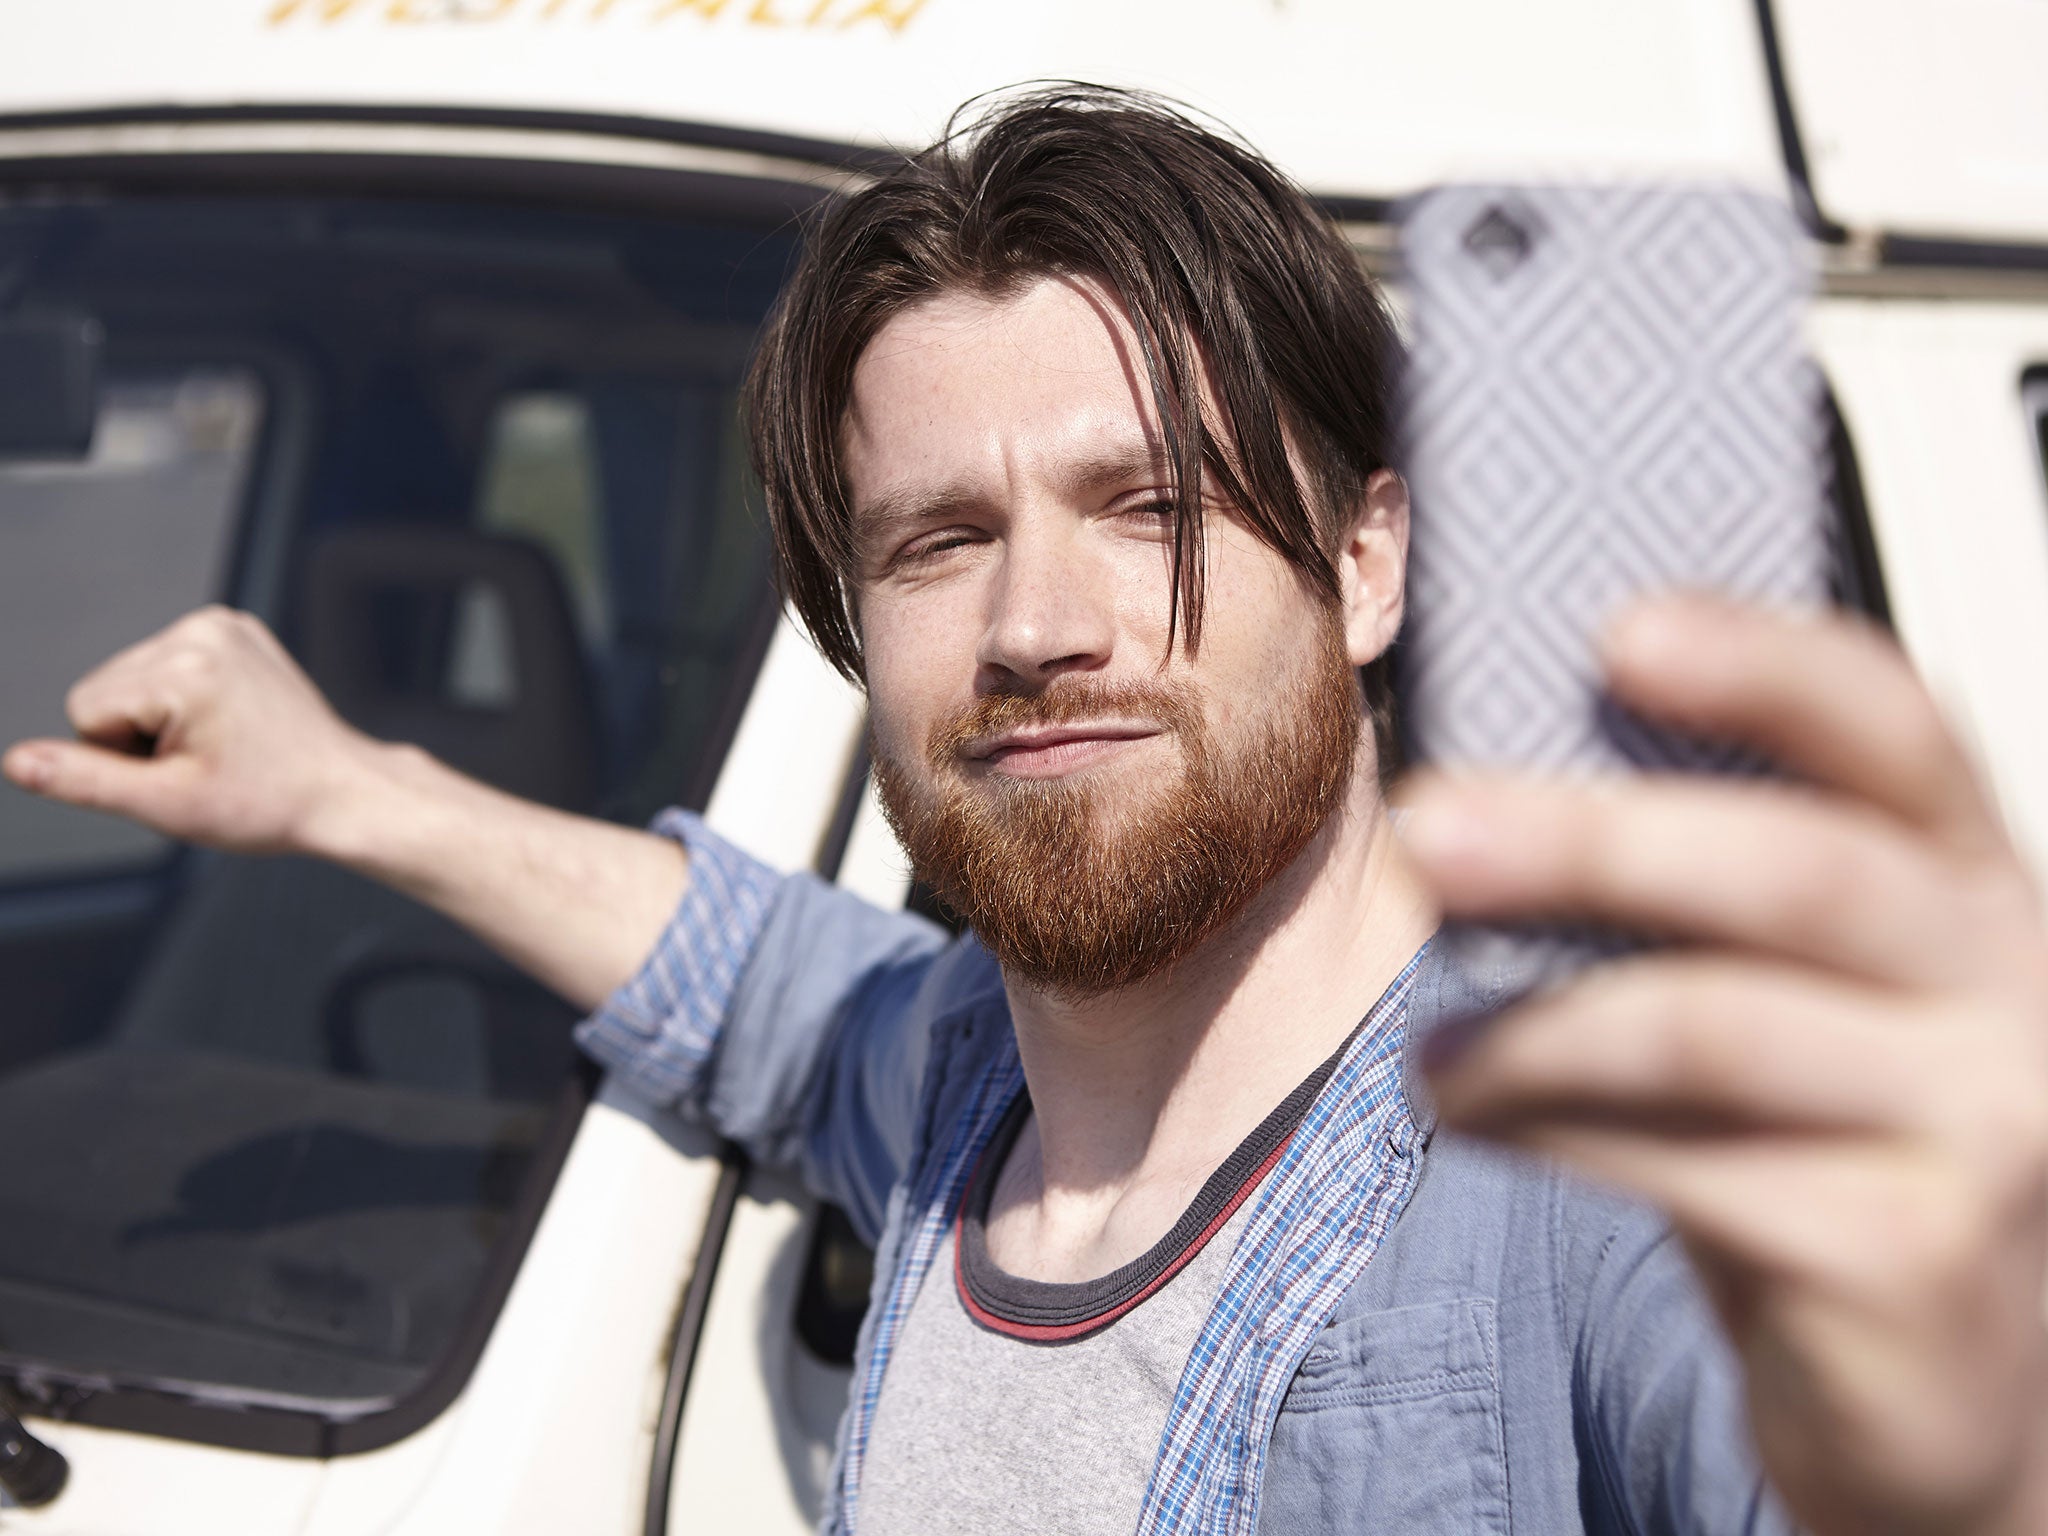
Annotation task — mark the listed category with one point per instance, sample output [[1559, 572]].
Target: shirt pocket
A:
[[1393, 1423]]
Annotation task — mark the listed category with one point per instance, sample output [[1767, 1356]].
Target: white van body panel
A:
[[790, 759], [1931, 392], [762, 1417], [554, 1429], [1923, 117], [1376, 97], [122, 1483]]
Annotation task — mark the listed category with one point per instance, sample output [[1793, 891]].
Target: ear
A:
[[1372, 567]]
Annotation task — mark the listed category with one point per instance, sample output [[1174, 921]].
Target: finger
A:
[[126, 699], [1695, 1042], [94, 777], [1828, 697], [1767, 868], [1775, 1207], [138, 692]]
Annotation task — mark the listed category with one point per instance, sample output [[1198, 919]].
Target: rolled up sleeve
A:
[[660, 1031], [788, 1015]]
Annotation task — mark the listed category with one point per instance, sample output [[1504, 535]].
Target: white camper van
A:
[[420, 324]]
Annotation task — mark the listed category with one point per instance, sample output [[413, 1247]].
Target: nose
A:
[[1052, 608]]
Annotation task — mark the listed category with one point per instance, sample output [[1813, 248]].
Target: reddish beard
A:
[[1081, 890]]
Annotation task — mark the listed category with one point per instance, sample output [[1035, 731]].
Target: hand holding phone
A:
[[1834, 1081]]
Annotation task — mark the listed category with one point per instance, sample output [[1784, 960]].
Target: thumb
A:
[[93, 777]]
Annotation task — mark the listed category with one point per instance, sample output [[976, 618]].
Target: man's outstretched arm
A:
[[208, 731]]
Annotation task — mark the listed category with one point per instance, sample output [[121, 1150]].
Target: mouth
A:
[[1043, 752]]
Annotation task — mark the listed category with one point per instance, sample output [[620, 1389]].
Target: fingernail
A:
[[29, 767], [1651, 632], [1449, 1039], [1443, 833]]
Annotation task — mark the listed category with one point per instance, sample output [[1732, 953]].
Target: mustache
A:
[[1065, 702]]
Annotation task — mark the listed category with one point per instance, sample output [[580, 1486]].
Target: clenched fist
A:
[[206, 731]]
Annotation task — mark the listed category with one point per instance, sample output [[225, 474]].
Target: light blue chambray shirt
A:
[[1415, 1336]]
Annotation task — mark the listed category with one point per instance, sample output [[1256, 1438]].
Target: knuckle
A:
[[198, 663], [1921, 735], [200, 621], [1699, 1051], [2012, 1133], [1818, 893], [210, 627], [1999, 905], [1942, 1237]]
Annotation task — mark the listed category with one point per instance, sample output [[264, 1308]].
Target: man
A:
[[1075, 437]]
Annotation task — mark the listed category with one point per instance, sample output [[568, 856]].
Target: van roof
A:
[[1358, 98], [1915, 117]]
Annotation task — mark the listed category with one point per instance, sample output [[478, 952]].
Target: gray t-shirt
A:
[[978, 1431]]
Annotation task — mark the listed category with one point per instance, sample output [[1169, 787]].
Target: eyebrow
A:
[[918, 506]]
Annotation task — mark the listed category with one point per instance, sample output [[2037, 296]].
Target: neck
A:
[[1138, 1095]]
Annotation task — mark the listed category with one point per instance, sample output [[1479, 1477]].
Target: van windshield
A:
[[275, 1138]]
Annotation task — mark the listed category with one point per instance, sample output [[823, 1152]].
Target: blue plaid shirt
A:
[[1413, 1335]]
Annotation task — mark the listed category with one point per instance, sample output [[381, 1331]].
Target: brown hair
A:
[[1215, 254]]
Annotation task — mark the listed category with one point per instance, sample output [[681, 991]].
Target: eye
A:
[[1150, 514], [932, 546]]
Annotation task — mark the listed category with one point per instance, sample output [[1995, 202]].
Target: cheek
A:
[[919, 671], [1257, 626]]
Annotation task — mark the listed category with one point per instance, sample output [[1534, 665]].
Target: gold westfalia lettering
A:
[[321, 10], [897, 14], [803, 15], [458, 12]]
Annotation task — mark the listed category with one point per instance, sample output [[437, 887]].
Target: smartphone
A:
[[1606, 395]]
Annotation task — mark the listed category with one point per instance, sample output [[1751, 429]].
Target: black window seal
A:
[[646, 192], [830, 154], [1791, 146], [1859, 568], [2034, 401]]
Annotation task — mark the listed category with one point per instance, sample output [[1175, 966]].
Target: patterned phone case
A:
[[1606, 394]]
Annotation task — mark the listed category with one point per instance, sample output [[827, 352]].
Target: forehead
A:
[[977, 393]]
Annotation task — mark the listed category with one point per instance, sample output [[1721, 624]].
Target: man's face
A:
[[1092, 803]]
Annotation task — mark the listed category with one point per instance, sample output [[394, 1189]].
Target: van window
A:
[[100, 552], [277, 1137]]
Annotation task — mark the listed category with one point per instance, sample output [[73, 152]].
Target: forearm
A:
[[575, 902]]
